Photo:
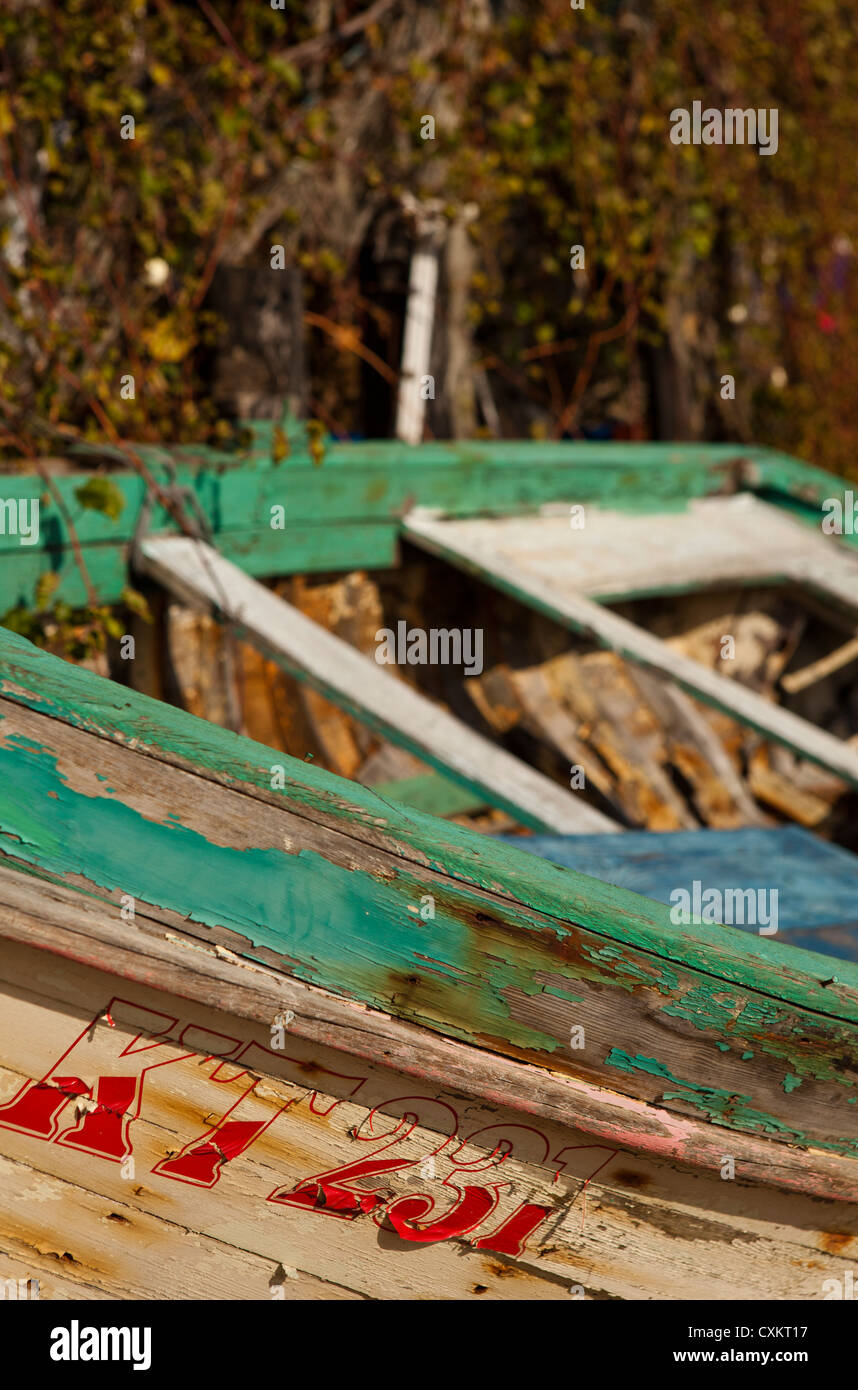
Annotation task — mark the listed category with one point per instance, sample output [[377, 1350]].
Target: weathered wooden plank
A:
[[311, 1109], [47, 915], [114, 1247], [197, 574], [715, 541], [478, 967], [608, 1224], [500, 875], [472, 546]]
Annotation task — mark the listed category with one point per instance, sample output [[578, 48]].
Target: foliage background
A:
[[301, 126]]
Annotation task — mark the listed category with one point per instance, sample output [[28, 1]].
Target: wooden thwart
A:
[[196, 573], [539, 577]]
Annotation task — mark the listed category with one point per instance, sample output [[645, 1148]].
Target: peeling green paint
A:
[[330, 924], [791, 1083], [563, 994], [772, 1026], [629, 974], [349, 930], [42, 682], [720, 1107]]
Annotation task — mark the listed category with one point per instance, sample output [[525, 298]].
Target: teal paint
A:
[[562, 994], [724, 1011], [629, 974], [791, 1083], [327, 922], [350, 930], [618, 918], [719, 1106], [346, 514]]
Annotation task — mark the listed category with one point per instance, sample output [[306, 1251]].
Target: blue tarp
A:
[[816, 882]]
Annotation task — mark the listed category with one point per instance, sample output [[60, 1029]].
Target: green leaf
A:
[[46, 586], [101, 495], [137, 603]]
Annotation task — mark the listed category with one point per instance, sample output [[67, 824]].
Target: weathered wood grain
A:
[[54, 918], [616, 1224], [507, 977], [714, 541], [33, 679]]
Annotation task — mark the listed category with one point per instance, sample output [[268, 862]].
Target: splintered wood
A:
[[659, 759]]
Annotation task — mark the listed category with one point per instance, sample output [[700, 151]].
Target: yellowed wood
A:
[[648, 1229]]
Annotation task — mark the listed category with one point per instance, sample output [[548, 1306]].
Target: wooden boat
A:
[[661, 519], [267, 1033], [276, 1037]]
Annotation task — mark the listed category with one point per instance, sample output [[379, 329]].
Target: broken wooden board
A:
[[478, 547], [816, 882], [613, 555], [197, 574], [649, 749], [117, 796], [177, 1123]]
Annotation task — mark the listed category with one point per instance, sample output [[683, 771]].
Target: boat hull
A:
[[152, 1146]]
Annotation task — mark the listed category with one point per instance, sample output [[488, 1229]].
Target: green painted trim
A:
[[308, 549], [365, 488], [487, 968], [432, 793]]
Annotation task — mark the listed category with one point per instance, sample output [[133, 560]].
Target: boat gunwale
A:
[[36, 679], [168, 962]]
